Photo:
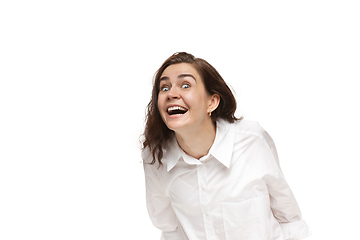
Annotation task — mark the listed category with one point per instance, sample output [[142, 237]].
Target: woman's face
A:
[[183, 101]]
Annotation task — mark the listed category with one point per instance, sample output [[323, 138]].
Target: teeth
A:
[[176, 108]]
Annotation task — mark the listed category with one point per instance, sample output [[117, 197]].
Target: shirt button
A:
[[202, 187]]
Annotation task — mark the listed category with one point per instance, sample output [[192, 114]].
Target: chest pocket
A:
[[247, 220]]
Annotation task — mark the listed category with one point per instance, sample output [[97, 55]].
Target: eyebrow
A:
[[180, 76]]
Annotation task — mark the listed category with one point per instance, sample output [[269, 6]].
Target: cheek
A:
[[197, 101], [160, 102]]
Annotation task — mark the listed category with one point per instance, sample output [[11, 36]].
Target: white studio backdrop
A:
[[76, 78]]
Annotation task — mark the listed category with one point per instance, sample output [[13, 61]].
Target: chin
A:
[[176, 122], [177, 126]]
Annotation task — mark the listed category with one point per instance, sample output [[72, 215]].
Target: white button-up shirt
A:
[[237, 191]]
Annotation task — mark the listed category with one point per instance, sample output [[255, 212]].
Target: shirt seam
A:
[[260, 136]]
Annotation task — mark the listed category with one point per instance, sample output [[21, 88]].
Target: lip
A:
[[174, 105], [175, 115]]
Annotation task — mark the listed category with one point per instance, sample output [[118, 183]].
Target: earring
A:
[[209, 113]]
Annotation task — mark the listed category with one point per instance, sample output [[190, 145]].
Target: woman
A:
[[208, 174]]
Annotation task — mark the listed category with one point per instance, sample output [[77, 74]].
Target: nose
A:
[[173, 94]]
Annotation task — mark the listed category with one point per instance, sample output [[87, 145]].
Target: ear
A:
[[214, 102]]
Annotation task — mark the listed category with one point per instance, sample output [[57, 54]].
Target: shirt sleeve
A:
[[158, 204], [282, 201]]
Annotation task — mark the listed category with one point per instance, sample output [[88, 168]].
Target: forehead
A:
[[179, 68]]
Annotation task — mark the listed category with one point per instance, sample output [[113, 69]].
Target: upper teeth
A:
[[176, 108]]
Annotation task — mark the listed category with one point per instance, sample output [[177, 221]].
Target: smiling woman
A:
[[183, 79], [185, 107], [210, 175]]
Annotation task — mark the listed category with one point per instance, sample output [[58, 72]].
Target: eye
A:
[[164, 88], [185, 85]]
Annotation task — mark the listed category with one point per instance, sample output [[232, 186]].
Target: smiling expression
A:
[[183, 101]]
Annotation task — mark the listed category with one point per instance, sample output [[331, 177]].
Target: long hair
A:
[[156, 132]]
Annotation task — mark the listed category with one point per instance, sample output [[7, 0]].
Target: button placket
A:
[[204, 203]]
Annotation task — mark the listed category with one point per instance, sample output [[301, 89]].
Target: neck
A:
[[197, 143]]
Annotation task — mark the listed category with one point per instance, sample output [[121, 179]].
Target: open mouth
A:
[[176, 110]]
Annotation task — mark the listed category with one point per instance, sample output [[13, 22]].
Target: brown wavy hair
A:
[[156, 132]]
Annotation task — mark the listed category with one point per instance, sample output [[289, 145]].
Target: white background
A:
[[76, 77]]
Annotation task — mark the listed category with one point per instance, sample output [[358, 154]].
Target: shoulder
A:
[[146, 155], [148, 161], [251, 132], [251, 128]]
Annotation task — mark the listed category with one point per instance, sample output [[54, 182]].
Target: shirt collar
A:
[[221, 149]]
